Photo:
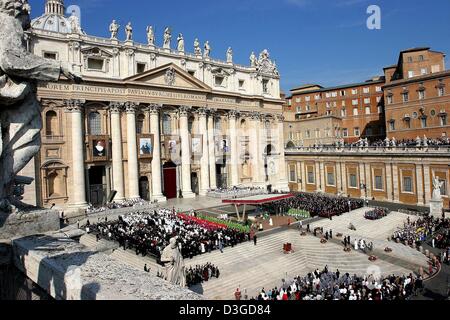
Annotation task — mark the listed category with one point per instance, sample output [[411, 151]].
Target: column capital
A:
[[184, 111], [74, 105], [280, 118], [233, 114], [115, 107], [202, 112], [255, 116], [212, 112], [154, 108], [130, 107]]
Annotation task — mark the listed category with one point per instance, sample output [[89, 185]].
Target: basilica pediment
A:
[[169, 75]]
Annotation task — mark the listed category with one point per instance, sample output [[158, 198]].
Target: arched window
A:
[[51, 121], [140, 124], [167, 124], [95, 123]]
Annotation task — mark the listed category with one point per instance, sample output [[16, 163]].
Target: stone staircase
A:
[[102, 245]]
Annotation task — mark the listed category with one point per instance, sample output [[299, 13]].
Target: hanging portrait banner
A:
[[146, 146]]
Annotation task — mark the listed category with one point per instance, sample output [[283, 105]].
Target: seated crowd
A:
[[236, 192], [418, 231], [114, 205], [200, 274], [316, 204], [377, 213], [327, 285], [148, 233]]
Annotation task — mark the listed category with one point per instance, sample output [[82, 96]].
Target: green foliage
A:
[[231, 225], [299, 214]]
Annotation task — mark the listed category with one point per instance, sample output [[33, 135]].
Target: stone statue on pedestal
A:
[[114, 29], [173, 261], [230, 55], [167, 38], [129, 31], [253, 60], [437, 203], [207, 51], [180, 40], [20, 111], [150, 36], [437, 185], [197, 49]]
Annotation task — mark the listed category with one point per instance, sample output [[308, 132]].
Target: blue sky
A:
[[312, 41]]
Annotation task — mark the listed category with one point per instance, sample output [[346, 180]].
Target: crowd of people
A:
[[316, 204], [326, 285], [377, 213], [416, 232], [129, 203], [200, 274], [236, 192], [148, 233]]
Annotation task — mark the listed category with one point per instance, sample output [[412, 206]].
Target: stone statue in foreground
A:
[[20, 112], [437, 185], [173, 261]]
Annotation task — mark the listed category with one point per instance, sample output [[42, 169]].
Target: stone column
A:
[[389, 191], [338, 177], [156, 161], [344, 178], [318, 186], [133, 165], [304, 177], [204, 161], [323, 174], [117, 158], [186, 188], [362, 180], [255, 120], [419, 179], [395, 183], [282, 176], [368, 174], [78, 197], [233, 115], [427, 183], [211, 150]]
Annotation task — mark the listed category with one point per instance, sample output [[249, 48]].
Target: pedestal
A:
[[24, 224], [436, 207]]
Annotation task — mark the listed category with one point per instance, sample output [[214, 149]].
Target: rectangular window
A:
[[435, 68], [410, 74], [367, 110], [343, 103], [357, 132], [379, 183], [392, 125], [354, 91], [405, 96], [50, 55], [343, 113], [423, 71], [366, 90], [317, 97], [292, 174], [95, 64], [355, 111], [355, 102], [311, 178], [367, 100], [441, 91], [330, 179], [443, 120], [390, 99], [345, 132], [298, 100], [378, 89], [423, 121], [140, 67], [378, 99], [242, 83], [265, 86], [352, 181], [308, 98], [421, 95], [421, 58], [343, 93], [407, 184], [308, 134], [443, 187], [299, 109]]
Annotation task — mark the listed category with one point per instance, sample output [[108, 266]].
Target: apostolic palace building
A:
[[385, 139], [151, 121]]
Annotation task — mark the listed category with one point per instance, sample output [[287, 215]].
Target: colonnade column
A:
[[185, 153], [419, 179], [204, 162], [395, 183], [117, 158], [211, 151], [232, 115], [389, 191], [133, 166], [156, 161], [427, 183], [78, 199]]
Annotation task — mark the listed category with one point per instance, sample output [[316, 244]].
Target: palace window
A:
[[378, 183], [311, 178], [367, 100], [366, 90], [330, 179], [405, 96], [241, 87], [357, 132], [354, 91], [355, 111], [355, 102], [444, 120], [423, 71], [407, 184], [308, 134], [392, 125], [441, 91], [51, 121], [95, 123], [390, 99], [423, 122], [367, 110], [292, 174], [345, 133], [353, 181], [219, 81], [421, 94], [265, 86], [410, 74], [343, 113], [51, 55]]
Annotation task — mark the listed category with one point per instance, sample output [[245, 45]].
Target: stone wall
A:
[[28, 223], [67, 270]]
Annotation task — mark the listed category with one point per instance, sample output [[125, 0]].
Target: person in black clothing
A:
[[255, 239]]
